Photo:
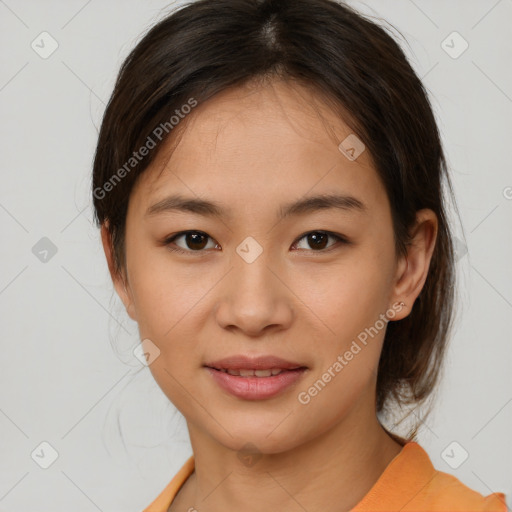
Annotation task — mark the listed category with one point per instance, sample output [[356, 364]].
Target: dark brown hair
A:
[[351, 62]]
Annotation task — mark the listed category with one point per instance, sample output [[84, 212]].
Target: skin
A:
[[252, 149]]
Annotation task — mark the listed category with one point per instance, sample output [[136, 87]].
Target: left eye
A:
[[318, 239], [196, 241]]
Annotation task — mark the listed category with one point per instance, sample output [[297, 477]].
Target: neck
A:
[[339, 466]]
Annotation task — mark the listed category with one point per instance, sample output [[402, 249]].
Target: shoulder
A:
[[444, 492], [410, 483], [162, 502]]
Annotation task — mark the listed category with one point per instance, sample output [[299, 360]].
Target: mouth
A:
[[255, 379], [255, 373], [242, 363]]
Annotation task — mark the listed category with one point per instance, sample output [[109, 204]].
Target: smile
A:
[[252, 373], [250, 384]]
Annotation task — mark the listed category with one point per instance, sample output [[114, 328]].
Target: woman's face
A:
[[259, 280]]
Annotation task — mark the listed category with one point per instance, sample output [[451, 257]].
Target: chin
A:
[[265, 437]]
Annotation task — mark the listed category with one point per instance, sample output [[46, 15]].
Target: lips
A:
[[255, 378], [253, 373], [253, 366]]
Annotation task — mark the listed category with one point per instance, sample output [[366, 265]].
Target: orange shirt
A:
[[409, 483]]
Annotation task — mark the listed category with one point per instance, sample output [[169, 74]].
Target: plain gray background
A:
[[67, 362]]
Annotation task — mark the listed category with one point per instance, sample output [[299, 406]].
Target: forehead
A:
[[264, 142]]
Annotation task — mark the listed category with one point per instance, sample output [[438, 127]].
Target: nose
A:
[[254, 300]]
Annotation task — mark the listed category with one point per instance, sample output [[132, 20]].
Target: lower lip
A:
[[256, 388]]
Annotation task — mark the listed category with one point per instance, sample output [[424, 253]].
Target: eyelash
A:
[[170, 240]]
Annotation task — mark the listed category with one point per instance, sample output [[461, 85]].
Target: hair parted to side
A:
[[352, 63]]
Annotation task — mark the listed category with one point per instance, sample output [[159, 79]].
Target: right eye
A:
[[195, 241]]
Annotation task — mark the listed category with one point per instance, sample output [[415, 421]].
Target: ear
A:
[[118, 278], [412, 270]]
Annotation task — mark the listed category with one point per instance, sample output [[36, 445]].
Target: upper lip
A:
[[241, 362]]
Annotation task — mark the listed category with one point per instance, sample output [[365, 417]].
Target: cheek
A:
[[345, 297], [162, 292]]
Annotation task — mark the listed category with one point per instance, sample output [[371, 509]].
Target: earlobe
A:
[[413, 268], [117, 279]]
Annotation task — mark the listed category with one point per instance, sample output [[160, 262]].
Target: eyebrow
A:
[[309, 204]]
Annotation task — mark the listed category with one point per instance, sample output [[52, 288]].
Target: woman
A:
[[269, 185]]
